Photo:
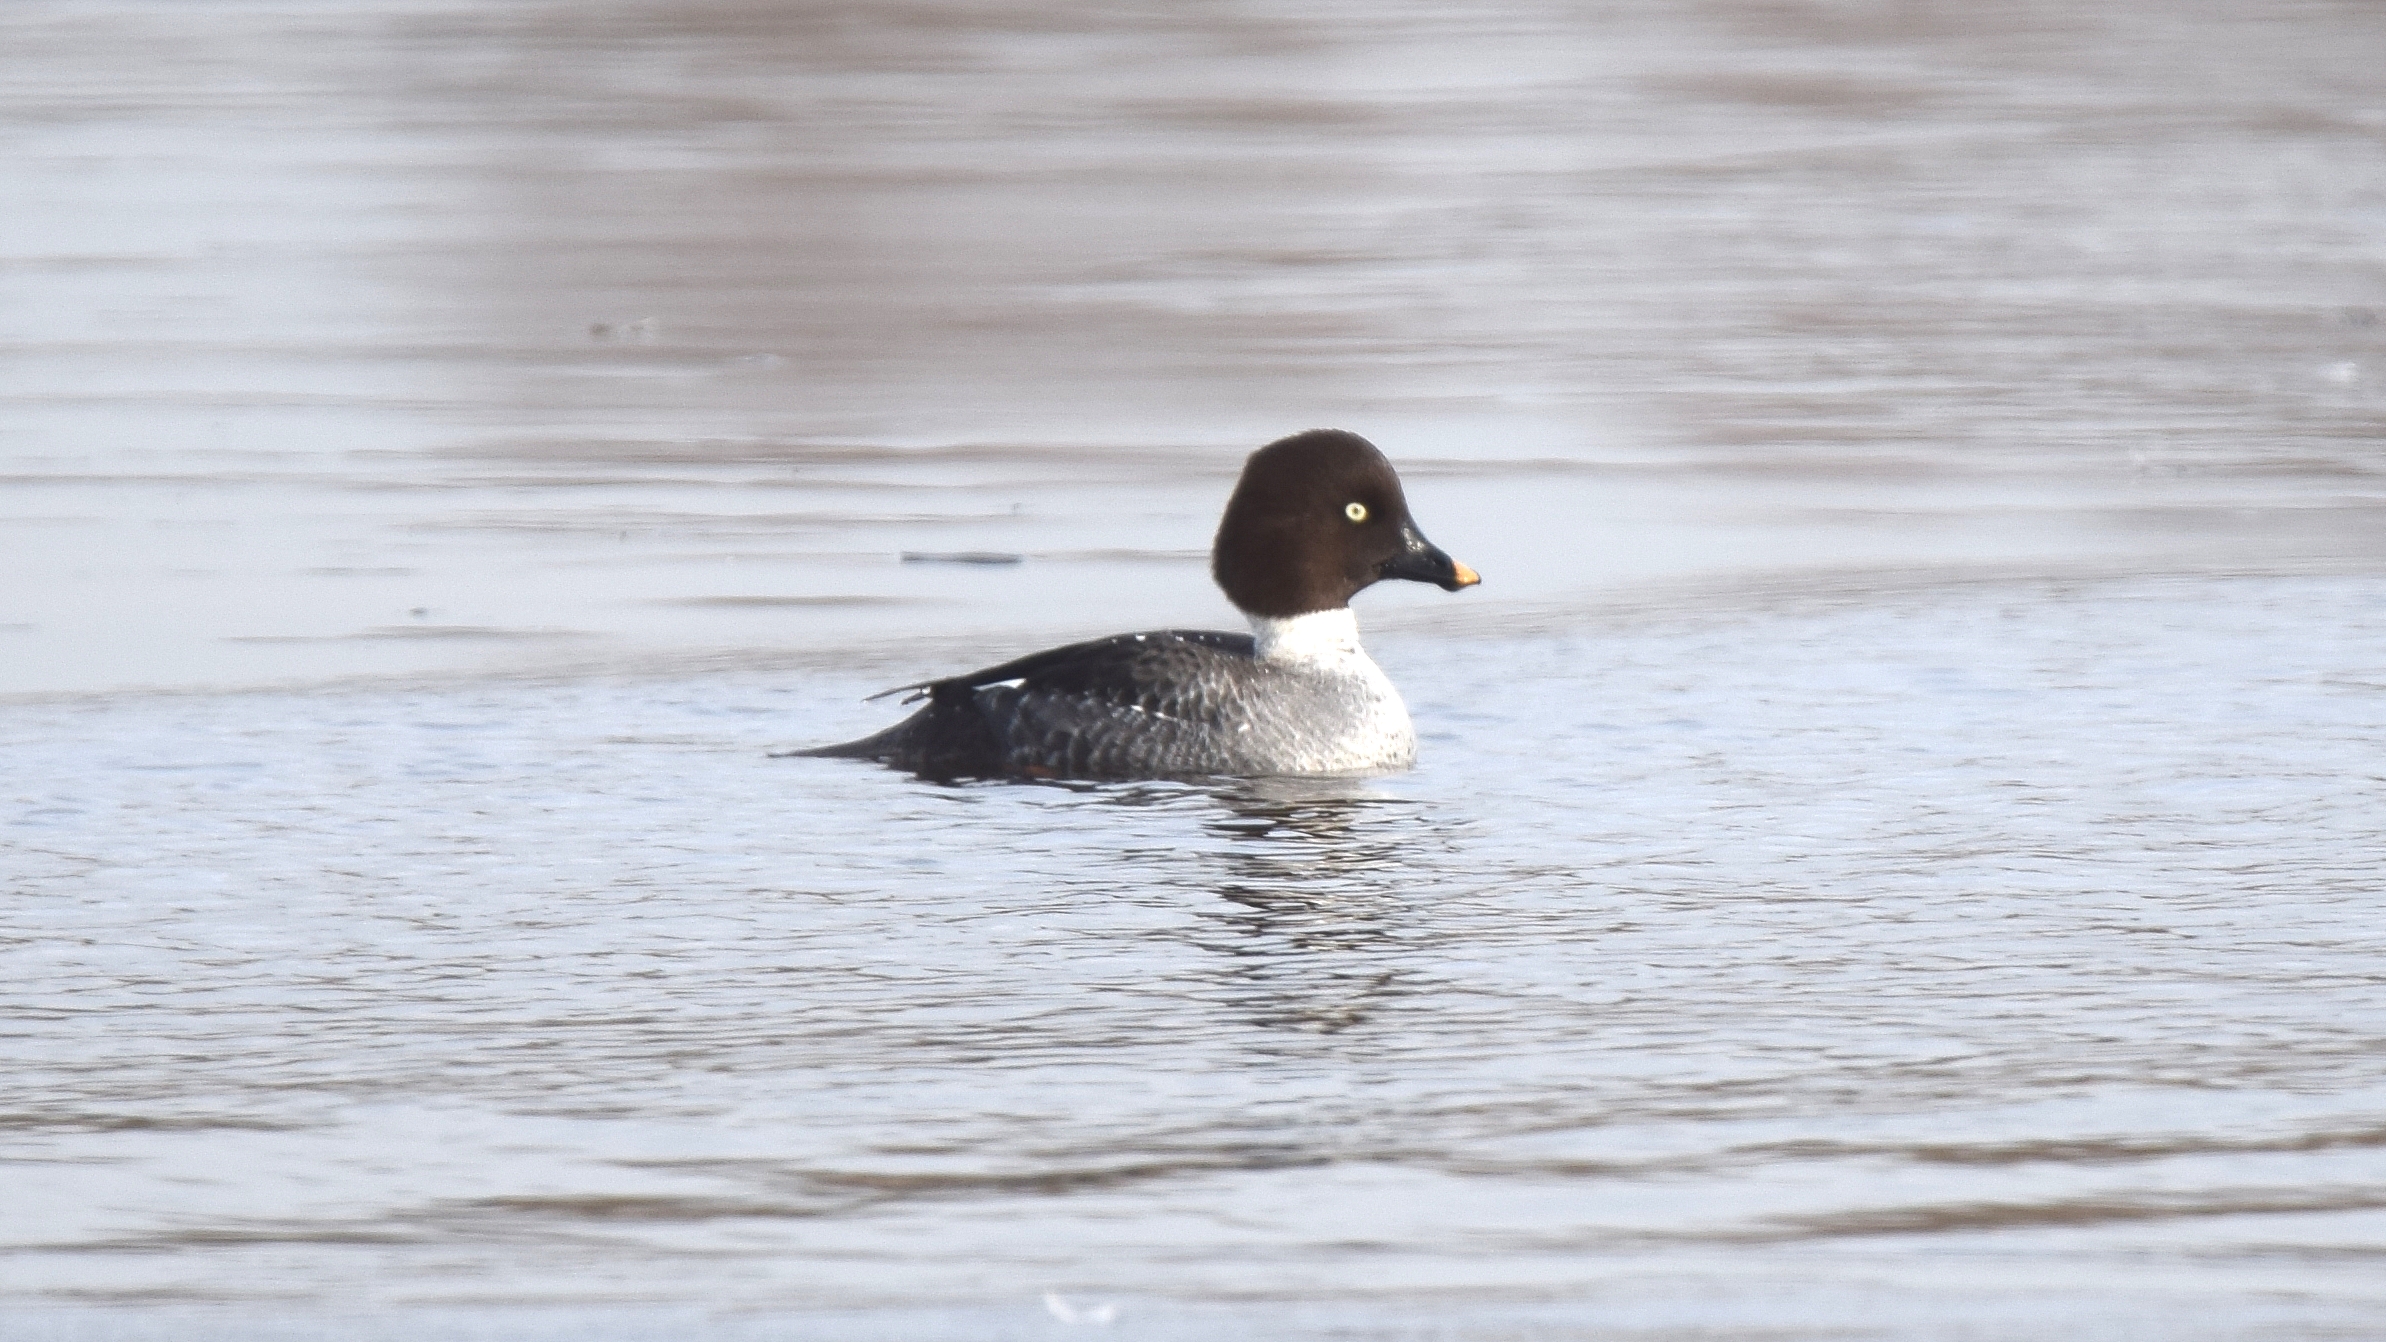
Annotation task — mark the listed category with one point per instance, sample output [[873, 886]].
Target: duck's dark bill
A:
[[1422, 561]]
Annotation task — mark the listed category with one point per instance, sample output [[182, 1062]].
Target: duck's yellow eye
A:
[[1356, 512]]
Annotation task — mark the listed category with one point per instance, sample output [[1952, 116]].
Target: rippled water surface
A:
[[1895, 852], [2020, 947]]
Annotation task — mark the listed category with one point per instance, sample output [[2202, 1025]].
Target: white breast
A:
[[1347, 718]]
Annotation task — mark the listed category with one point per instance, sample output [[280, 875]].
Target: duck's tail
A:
[[880, 746], [948, 737]]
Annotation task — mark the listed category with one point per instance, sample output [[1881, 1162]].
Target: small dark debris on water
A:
[[962, 557]]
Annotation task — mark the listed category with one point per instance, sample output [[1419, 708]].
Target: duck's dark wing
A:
[[1124, 668], [1128, 705]]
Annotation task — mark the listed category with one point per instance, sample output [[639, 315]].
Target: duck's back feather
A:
[[1132, 705]]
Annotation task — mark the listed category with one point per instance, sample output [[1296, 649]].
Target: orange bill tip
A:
[[1467, 577]]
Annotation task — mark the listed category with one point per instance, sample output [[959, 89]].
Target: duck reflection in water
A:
[[1312, 927]]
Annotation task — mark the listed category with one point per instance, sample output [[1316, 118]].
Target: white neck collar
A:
[[1319, 637]]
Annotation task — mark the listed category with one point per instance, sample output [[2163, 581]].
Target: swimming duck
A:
[[1314, 520]]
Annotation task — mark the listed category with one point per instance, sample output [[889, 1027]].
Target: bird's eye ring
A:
[[1356, 512]]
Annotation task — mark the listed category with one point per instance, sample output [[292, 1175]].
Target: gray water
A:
[[1894, 850]]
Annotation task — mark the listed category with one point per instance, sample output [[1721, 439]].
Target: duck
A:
[[1314, 519]]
